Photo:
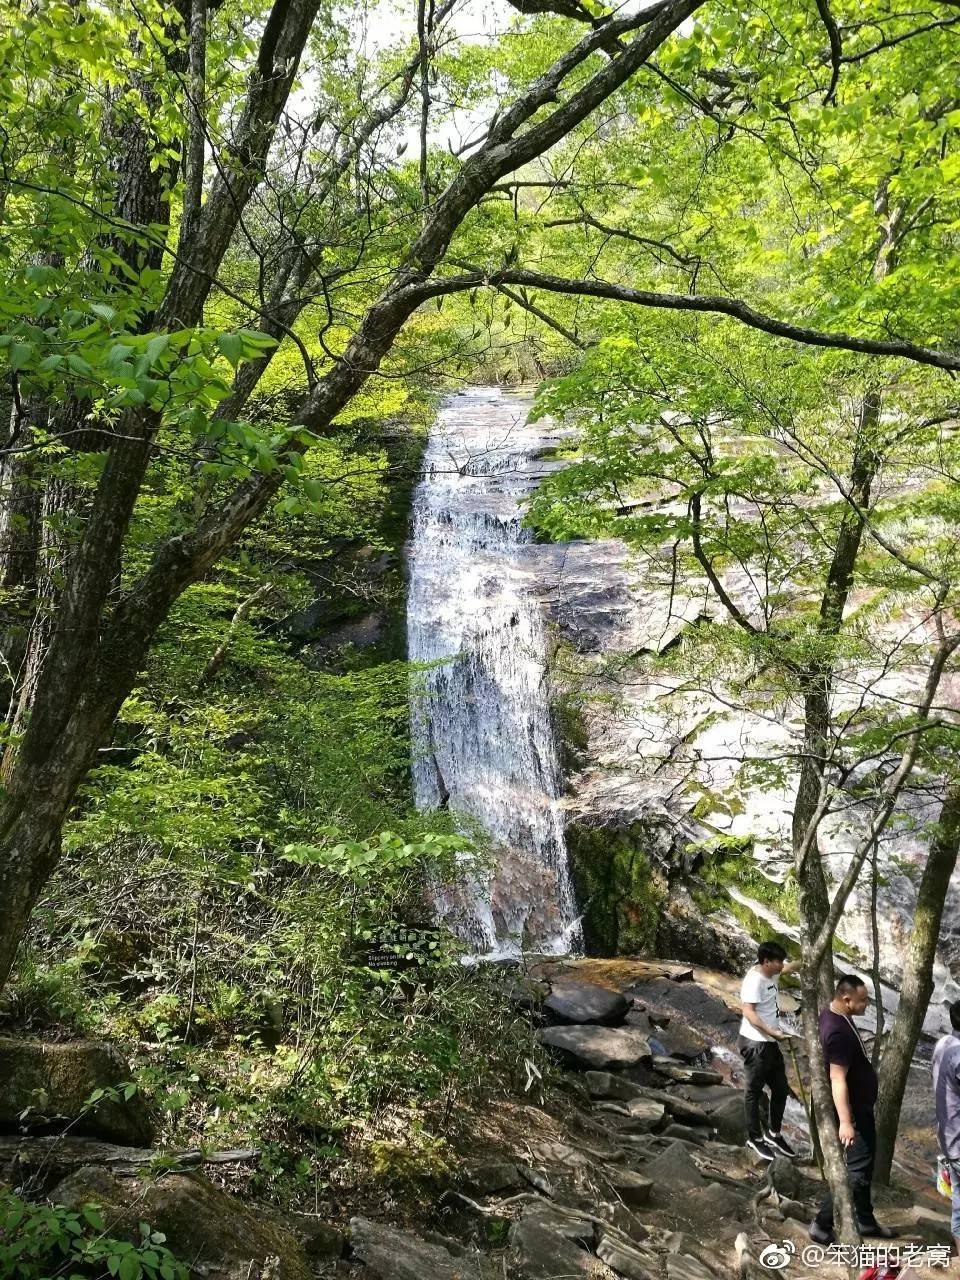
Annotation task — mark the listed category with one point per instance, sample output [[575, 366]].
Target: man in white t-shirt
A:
[[760, 1032]]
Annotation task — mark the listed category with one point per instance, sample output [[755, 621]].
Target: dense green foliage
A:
[[38, 1241], [205, 262]]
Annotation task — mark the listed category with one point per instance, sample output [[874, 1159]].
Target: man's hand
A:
[[846, 1133]]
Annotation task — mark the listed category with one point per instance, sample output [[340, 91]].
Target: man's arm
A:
[[751, 1015], [791, 966], [841, 1100]]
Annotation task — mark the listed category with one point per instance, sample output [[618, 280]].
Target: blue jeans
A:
[[955, 1216]]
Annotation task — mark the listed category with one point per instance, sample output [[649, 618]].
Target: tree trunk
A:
[[19, 550], [917, 985], [821, 1099]]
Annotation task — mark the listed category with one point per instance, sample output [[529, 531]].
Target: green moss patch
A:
[[620, 893]]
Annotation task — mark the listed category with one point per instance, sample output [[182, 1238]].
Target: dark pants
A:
[[764, 1065], [860, 1156]]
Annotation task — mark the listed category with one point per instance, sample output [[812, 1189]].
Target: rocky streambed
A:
[[629, 1165]]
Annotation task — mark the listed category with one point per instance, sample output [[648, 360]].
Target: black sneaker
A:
[[779, 1143], [760, 1148], [875, 1230], [820, 1235]]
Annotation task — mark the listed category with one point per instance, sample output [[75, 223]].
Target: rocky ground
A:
[[633, 1168]]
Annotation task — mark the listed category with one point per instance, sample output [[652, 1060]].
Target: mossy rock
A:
[[216, 1235], [45, 1086], [620, 892]]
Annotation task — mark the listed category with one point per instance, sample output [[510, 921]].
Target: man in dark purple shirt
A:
[[853, 1083]]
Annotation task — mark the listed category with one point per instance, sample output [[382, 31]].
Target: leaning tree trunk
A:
[[917, 984], [821, 1101]]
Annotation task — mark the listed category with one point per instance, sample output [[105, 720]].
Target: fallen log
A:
[[24, 1158]]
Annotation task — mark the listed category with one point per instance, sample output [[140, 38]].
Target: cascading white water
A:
[[483, 739]]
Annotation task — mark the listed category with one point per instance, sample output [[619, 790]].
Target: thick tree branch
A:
[[704, 303], [836, 48]]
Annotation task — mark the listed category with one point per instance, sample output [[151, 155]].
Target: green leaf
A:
[[231, 344], [22, 355], [130, 1268]]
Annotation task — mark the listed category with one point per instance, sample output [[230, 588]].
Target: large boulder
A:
[[216, 1235], [672, 1171], [690, 1002], [544, 1254], [492, 1179], [391, 1254], [676, 1041], [44, 1085], [599, 1048], [582, 1002], [727, 1116]]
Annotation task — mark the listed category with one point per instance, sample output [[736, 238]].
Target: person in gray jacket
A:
[[946, 1091]]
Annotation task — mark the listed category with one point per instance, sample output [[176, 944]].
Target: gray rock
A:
[[685, 1075], [525, 993], [673, 1169], [728, 1118], [932, 1227], [626, 1223], [641, 1115], [453, 1247], [627, 1260], [44, 1083], [573, 1157], [693, 1003], [681, 1266], [542, 1254], [585, 1002], [682, 1043], [685, 1133], [597, 1047], [678, 1105], [603, 1084], [538, 1180], [718, 1201], [392, 1254], [565, 1222], [320, 1240], [786, 1178], [631, 1187], [490, 1179], [705, 1094]]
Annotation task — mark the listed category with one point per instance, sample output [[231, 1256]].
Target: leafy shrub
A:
[[38, 1241], [45, 996]]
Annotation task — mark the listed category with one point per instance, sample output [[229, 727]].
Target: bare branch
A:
[[708, 303]]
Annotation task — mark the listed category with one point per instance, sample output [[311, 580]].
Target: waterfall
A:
[[483, 739]]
